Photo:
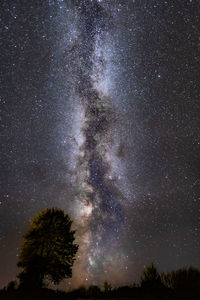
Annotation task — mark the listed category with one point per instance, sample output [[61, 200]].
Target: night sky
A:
[[100, 117]]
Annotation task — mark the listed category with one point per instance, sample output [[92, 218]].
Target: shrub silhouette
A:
[[123, 290], [12, 285], [93, 291], [80, 292], [48, 249]]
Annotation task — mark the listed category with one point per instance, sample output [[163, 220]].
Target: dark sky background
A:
[[100, 117]]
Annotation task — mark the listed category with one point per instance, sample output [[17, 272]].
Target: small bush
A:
[[12, 285]]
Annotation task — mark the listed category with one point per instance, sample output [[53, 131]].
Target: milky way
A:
[[100, 103], [100, 196]]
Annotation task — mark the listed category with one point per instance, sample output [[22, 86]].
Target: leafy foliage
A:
[[48, 249]]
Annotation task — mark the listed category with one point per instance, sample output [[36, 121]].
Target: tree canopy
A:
[[48, 249]]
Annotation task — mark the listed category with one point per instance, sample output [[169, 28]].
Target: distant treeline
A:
[[151, 281]]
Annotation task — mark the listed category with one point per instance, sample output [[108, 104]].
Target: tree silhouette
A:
[[107, 287], [151, 279], [48, 249], [182, 278]]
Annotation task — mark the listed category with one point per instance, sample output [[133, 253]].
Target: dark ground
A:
[[136, 294]]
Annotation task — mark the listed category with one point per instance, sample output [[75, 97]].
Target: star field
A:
[[100, 117]]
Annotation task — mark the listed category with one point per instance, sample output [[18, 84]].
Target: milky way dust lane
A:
[[100, 207]]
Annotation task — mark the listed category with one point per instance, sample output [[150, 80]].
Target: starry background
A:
[[100, 117]]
